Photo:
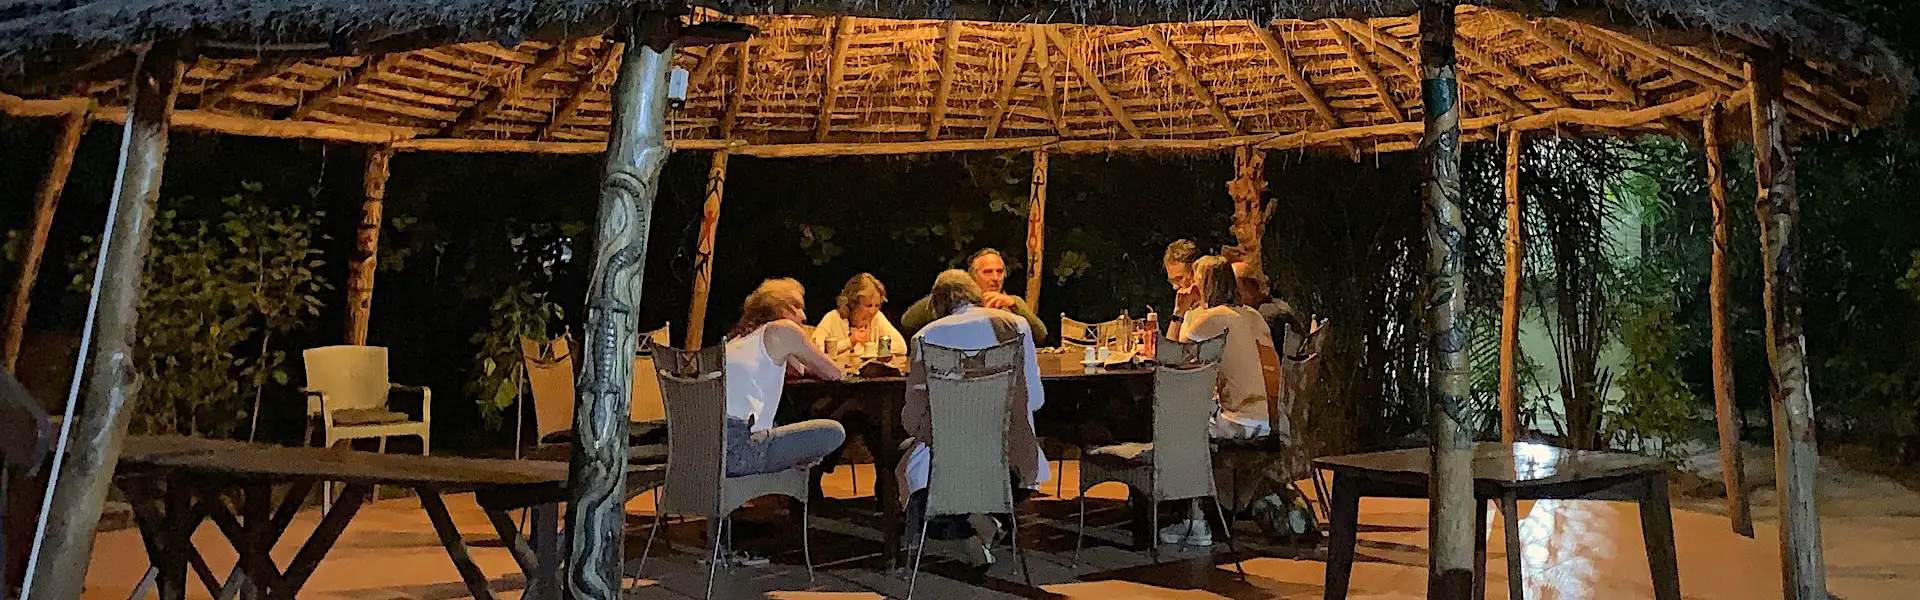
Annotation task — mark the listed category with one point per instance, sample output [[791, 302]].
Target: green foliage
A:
[[219, 279], [1656, 403], [1911, 281], [522, 308]]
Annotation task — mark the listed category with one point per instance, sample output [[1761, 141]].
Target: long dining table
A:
[[1096, 405]]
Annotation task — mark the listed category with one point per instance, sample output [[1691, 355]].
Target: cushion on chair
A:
[[1130, 453], [368, 416]]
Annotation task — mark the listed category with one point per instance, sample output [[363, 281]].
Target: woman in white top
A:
[[856, 319], [767, 342], [1241, 392]]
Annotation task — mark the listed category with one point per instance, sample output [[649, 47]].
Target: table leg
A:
[[544, 582], [450, 538], [1480, 534], [1510, 507], [510, 537], [1656, 524], [331, 526], [886, 457], [1343, 532], [172, 562]]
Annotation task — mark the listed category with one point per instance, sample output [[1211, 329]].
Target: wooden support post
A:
[[45, 203], [1732, 466], [366, 246], [1795, 455], [636, 151], [91, 447], [1510, 297], [1037, 230], [703, 255], [1251, 210], [1451, 522]]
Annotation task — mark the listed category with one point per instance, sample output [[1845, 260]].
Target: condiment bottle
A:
[[1152, 344]]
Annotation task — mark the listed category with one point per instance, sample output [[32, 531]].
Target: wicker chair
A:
[[694, 386], [1077, 334], [967, 396], [1178, 464]]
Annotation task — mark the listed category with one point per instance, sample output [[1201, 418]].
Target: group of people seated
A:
[[969, 310]]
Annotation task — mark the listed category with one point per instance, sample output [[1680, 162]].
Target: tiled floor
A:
[[1572, 551]]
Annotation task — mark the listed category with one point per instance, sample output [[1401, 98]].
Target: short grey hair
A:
[[953, 289]]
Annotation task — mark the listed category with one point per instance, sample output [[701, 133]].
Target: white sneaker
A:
[[1190, 532], [986, 532]]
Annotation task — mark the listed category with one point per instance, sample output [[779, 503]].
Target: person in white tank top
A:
[[767, 342]]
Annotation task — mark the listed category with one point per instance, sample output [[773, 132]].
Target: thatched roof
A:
[[412, 73]]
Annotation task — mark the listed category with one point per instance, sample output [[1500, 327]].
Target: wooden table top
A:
[[1518, 465], [242, 460]]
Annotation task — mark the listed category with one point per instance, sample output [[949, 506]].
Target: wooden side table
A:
[[1506, 473]]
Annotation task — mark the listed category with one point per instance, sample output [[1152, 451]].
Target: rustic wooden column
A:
[[1732, 466], [1510, 296], [1037, 230], [45, 203], [90, 447], [636, 150], [703, 255], [1251, 210], [366, 247], [1795, 455], [1452, 516]]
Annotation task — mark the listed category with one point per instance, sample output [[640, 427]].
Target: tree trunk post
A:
[[703, 255], [1037, 230], [90, 447], [1251, 210], [1510, 296], [1795, 455], [1450, 520], [45, 203], [1732, 466], [366, 247], [636, 151]]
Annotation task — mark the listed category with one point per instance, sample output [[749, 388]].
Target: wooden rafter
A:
[[550, 61], [589, 80], [1087, 76], [259, 72], [949, 50], [840, 35], [1337, 27], [704, 70], [739, 91], [1185, 74], [1484, 88], [1003, 96], [1401, 58], [1290, 70], [1049, 83], [367, 71], [1504, 69], [1563, 46], [1711, 73]]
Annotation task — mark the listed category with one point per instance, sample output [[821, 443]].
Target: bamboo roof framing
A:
[[823, 85]]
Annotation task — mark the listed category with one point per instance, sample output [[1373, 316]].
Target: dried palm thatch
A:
[[418, 75]]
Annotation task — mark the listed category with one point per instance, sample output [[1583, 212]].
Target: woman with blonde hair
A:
[[1241, 394], [856, 319], [766, 342]]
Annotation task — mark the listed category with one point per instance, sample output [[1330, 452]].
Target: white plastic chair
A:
[[1076, 334], [550, 375], [347, 388]]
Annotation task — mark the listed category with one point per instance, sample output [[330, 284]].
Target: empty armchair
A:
[[347, 389], [1078, 334]]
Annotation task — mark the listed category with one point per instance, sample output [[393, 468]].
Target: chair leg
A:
[[806, 543], [1153, 528], [1081, 536], [919, 552], [1226, 530], [1025, 569], [713, 557], [659, 520]]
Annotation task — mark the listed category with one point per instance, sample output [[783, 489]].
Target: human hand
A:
[[997, 300], [860, 335]]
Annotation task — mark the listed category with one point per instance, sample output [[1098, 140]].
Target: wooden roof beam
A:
[[1564, 47], [949, 50], [213, 96], [1185, 74], [1003, 96], [1723, 78], [738, 94], [1359, 57], [1087, 76], [589, 81], [1505, 69], [1049, 83], [836, 70], [1290, 70], [1405, 59], [704, 71], [549, 62], [367, 71]]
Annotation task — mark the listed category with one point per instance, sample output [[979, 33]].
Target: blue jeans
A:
[[780, 448]]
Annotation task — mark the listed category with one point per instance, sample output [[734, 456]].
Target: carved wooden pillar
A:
[[1795, 455], [1732, 466], [703, 256], [45, 203], [90, 448], [636, 151], [366, 247], [1510, 297], [1451, 521], [1037, 230], [1251, 210]]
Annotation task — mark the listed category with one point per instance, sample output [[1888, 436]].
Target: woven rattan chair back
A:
[[550, 375], [967, 396], [1080, 334], [693, 386], [1182, 406]]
